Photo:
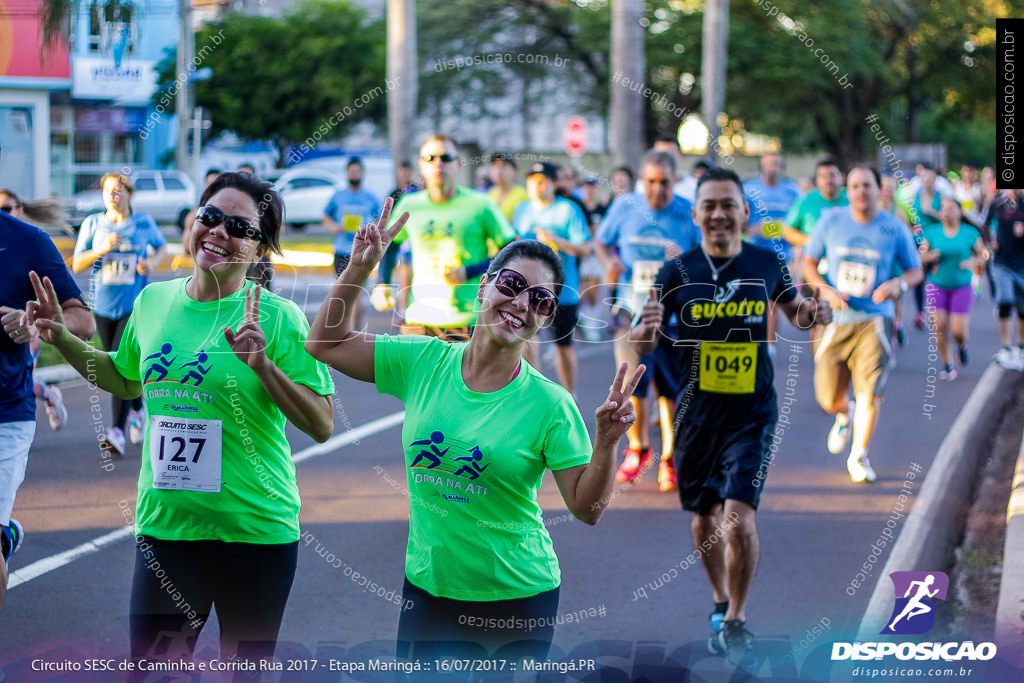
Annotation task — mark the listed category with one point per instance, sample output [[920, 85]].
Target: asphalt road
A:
[[629, 598]]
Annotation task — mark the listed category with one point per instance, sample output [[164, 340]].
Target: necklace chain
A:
[[716, 271]]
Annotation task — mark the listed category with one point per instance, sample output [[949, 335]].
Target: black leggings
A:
[[110, 331], [178, 583], [432, 627]]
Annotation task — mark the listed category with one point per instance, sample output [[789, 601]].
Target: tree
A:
[[294, 80]]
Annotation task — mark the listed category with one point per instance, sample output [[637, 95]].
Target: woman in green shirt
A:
[[221, 368], [953, 251], [481, 428]]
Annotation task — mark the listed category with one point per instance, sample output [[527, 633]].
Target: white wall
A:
[[13, 175]]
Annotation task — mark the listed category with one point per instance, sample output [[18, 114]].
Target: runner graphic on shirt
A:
[[161, 365], [434, 455], [472, 468], [467, 466], [201, 358]]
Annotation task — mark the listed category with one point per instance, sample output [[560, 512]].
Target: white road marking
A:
[[54, 562]]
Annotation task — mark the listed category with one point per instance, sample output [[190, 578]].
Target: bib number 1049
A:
[[723, 364], [728, 368]]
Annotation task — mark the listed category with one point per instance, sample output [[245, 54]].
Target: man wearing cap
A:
[[448, 235], [561, 225], [505, 193], [647, 229]]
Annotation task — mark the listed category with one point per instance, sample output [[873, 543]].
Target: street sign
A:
[[575, 136]]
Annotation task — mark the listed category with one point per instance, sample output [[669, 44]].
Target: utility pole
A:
[[183, 100], [198, 125], [713, 60], [628, 62], [402, 80]]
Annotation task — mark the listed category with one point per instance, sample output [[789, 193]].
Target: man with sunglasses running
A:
[[450, 231], [721, 296]]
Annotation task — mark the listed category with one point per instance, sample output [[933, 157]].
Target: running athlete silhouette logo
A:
[[198, 373], [434, 454], [468, 466], [161, 364], [914, 613], [472, 468]]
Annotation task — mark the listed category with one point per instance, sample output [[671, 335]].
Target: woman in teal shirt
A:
[[954, 249], [481, 427]]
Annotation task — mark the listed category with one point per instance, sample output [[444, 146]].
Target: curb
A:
[[1010, 609], [934, 526]]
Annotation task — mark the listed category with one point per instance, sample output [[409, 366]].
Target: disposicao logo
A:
[[917, 596], [914, 613]]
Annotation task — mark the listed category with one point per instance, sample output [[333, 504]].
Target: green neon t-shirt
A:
[[441, 236], [216, 464], [953, 251], [474, 463], [807, 210]]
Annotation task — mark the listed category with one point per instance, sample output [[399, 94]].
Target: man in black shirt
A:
[[722, 294]]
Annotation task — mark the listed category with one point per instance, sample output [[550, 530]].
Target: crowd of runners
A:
[[686, 274]]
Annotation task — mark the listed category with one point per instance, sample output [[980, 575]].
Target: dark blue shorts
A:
[[714, 465]]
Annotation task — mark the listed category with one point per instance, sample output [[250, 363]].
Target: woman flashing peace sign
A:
[[481, 427]]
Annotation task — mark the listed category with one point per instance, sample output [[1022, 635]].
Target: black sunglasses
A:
[[10, 208], [237, 226], [446, 158], [511, 284]]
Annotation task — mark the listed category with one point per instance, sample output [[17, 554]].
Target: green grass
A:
[[48, 355]]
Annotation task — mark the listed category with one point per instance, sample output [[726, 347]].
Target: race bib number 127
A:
[[185, 453]]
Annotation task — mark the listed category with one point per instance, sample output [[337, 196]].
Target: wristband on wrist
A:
[[903, 285]]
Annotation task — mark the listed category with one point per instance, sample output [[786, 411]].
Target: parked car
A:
[[378, 178], [167, 196], [306, 192]]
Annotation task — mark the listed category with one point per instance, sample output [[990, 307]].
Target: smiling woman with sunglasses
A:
[[221, 366], [481, 427]]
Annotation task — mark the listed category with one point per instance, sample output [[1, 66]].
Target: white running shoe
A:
[[839, 435], [860, 470], [1011, 359], [114, 441]]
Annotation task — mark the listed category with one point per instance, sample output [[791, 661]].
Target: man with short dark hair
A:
[[347, 210], [862, 244], [828, 193], [714, 308]]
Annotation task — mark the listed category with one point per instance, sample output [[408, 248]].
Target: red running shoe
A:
[[634, 465]]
